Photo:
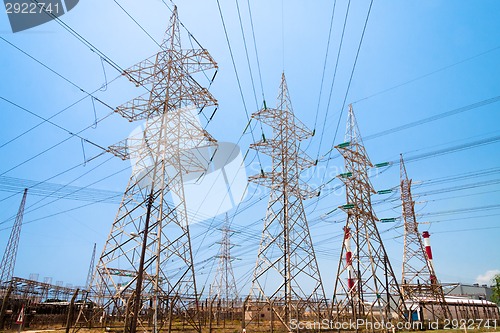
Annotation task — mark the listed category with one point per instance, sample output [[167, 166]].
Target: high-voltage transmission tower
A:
[[10, 254], [365, 287], [224, 286], [286, 277], [145, 275], [91, 269], [419, 285]]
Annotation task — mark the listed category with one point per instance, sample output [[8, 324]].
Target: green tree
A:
[[495, 297]]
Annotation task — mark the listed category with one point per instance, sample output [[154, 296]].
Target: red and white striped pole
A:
[[348, 258], [428, 251], [20, 319]]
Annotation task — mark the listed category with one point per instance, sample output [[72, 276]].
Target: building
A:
[[472, 291], [461, 308]]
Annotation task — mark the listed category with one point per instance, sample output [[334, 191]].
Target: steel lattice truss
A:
[[419, 284], [286, 273], [10, 254], [91, 269], [146, 271], [224, 287], [34, 291], [365, 287]]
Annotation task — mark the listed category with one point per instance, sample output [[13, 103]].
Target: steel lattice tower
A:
[[286, 275], [10, 254], [91, 269], [145, 274], [224, 286], [366, 287], [419, 284]]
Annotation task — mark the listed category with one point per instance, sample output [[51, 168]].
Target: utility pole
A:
[[286, 259], [365, 286], [146, 265], [419, 284]]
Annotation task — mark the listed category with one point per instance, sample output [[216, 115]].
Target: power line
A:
[[423, 121], [255, 48], [460, 187], [254, 94], [353, 67], [93, 49], [138, 24], [462, 176], [462, 210], [246, 54], [46, 120], [53, 190], [347, 91], [352, 74], [461, 196], [333, 80], [91, 94], [237, 76], [81, 38], [435, 117], [390, 228], [61, 212], [452, 149], [427, 75], [57, 175], [41, 123], [73, 190], [427, 155], [324, 65], [188, 32], [32, 185], [59, 75], [462, 230], [463, 218], [58, 144], [107, 198]]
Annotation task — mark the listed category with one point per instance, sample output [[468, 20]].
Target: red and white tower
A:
[[419, 285], [428, 252], [348, 259]]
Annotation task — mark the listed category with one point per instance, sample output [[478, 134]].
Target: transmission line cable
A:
[[237, 76], [427, 74]]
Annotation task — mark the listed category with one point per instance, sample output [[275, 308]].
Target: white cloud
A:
[[487, 277]]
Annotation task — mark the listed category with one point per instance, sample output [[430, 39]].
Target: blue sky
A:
[[418, 59]]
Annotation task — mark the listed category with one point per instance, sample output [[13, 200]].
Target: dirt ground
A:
[[230, 327]]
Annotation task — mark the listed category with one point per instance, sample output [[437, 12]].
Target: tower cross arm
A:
[[143, 72], [267, 179], [139, 108], [144, 107], [281, 120], [300, 129], [191, 60], [120, 149], [197, 60], [269, 147]]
